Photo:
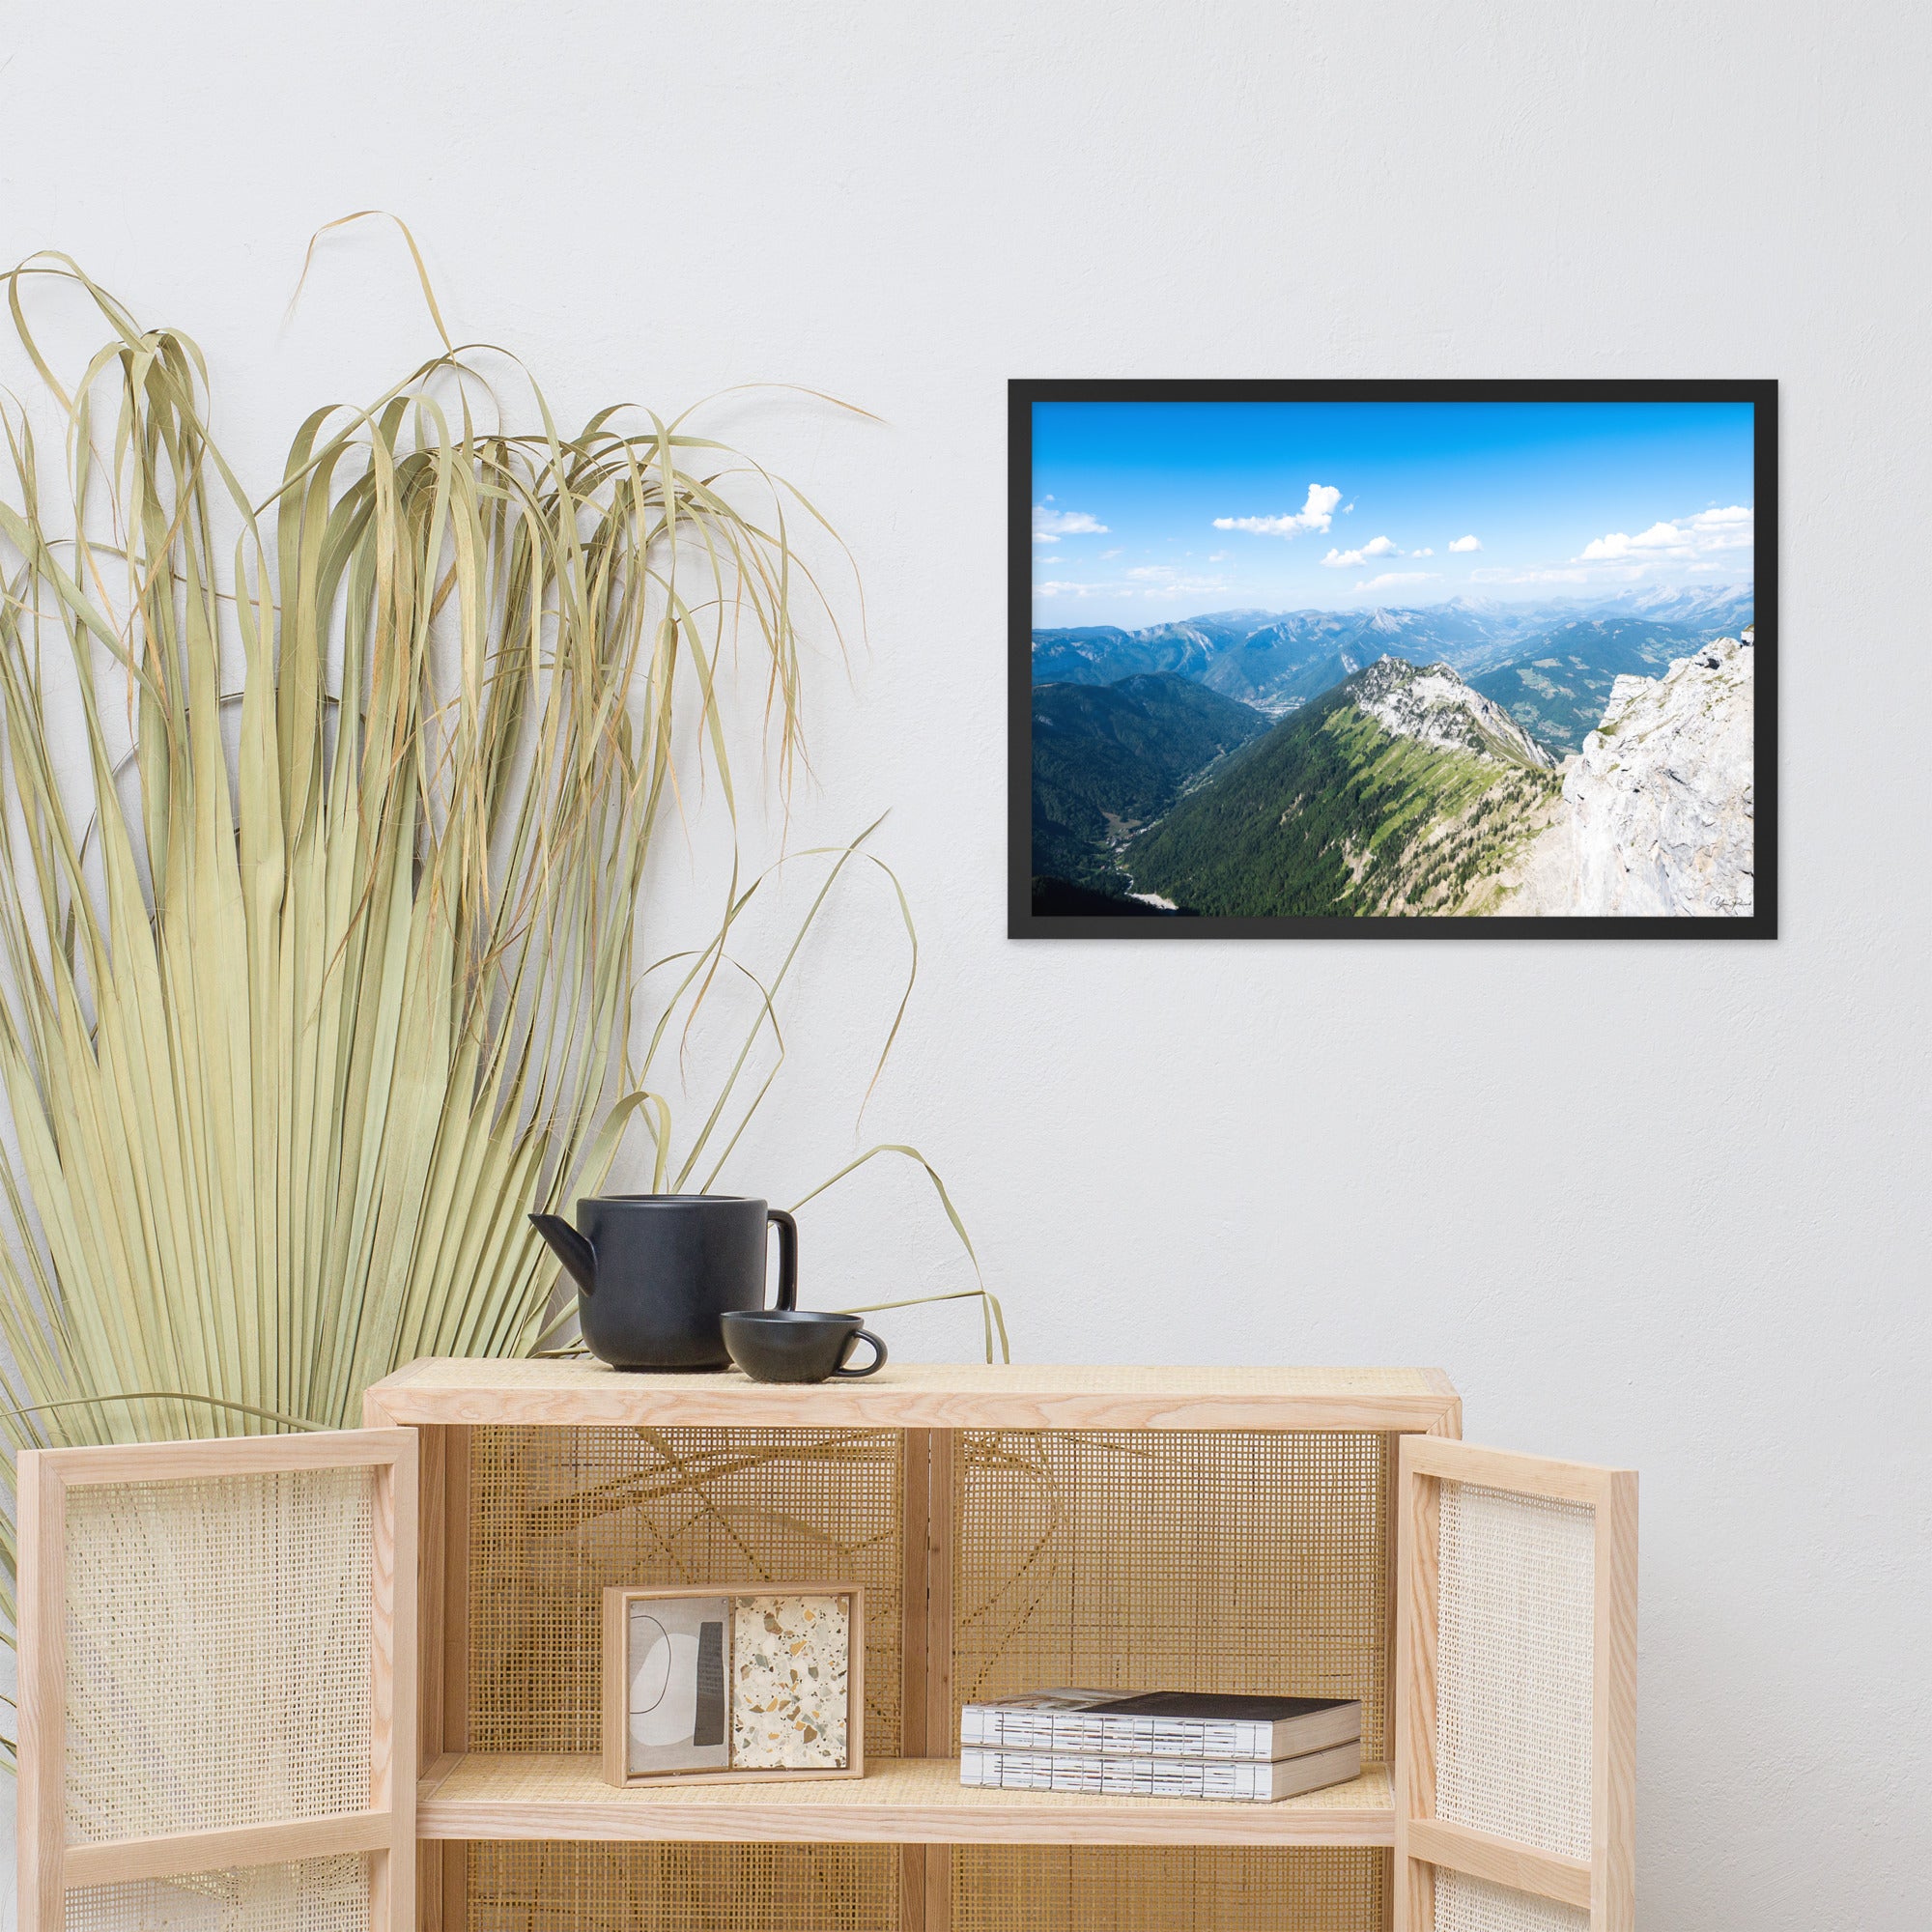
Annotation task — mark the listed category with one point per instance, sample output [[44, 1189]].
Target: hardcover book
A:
[[1163, 1723], [1232, 1782]]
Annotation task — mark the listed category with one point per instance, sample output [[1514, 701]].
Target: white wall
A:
[[1663, 1203]]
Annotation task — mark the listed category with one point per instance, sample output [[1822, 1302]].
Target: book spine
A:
[[1012, 1729], [1116, 1776]]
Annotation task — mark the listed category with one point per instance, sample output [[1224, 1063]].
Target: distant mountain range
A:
[[1550, 665]]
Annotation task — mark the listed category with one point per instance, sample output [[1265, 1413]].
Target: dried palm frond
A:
[[318, 969]]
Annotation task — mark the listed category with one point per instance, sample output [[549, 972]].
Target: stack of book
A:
[[1164, 1743]]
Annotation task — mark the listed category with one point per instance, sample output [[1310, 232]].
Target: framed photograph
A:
[[753, 1685], [1393, 660]]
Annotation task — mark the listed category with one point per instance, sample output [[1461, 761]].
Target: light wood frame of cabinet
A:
[[1604, 1885], [419, 1445], [385, 1829], [616, 1684], [915, 1802]]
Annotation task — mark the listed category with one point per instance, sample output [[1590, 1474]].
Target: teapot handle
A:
[[787, 1256]]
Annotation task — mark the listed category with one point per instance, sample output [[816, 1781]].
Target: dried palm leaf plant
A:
[[319, 959]]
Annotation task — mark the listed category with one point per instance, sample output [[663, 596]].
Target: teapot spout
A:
[[570, 1248]]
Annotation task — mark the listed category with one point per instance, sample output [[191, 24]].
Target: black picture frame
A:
[[1024, 923]]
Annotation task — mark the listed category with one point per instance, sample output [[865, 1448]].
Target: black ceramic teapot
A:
[[655, 1272]]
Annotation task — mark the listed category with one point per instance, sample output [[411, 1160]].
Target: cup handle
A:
[[872, 1367], [787, 1256]]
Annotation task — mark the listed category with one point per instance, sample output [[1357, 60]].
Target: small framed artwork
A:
[[753, 1685], [1393, 660]]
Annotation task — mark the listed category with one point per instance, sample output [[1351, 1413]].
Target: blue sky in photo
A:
[[1147, 512]]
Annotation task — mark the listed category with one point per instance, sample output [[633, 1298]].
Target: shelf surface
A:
[[921, 1396], [898, 1802]]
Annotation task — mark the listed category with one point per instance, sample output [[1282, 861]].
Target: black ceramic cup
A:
[[791, 1344]]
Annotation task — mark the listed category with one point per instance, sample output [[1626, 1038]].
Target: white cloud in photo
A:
[[1425, 550], [1162, 580], [1347, 508], [1390, 580], [1107, 555], [1219, 555], [1733, 528], [1712, 542], [1665, 539], [1159, 582], [1505, 573], [1463, 544], [1354, 559], [1186, 586], [1050, 525], [1677, 539], [1315, 514]]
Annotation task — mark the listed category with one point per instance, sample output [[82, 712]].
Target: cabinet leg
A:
[[926, 1888], [912, 1889], [442, 1872], [938, 1887]]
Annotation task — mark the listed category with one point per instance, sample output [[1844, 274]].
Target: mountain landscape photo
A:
[[1564, 733]]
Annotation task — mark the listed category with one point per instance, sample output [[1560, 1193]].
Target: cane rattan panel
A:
[[535, 1886], [1514, 1668], [558, 1514], [313, 1895], [1239, 1561], [218, 1654], [1114, 1888], [1465, 1904]]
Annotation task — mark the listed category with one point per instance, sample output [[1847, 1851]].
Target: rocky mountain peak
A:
[[1431, 704], [1658, 814]]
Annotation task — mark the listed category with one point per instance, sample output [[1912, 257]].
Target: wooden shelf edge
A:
[[900, 1802], [519, 1394]]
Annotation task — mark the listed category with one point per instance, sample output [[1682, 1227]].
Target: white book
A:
[[1163, 1723], [1241, 1782]]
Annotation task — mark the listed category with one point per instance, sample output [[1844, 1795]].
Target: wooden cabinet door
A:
[[217, 1685], [1516, 1693]]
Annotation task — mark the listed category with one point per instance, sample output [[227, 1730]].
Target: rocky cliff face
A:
[[1434, 706], [1657, 812]]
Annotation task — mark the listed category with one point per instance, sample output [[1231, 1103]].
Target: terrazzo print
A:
[[789, 1662]]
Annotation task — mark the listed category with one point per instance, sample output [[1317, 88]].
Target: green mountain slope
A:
[[1107, 758], [1335, 813]]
